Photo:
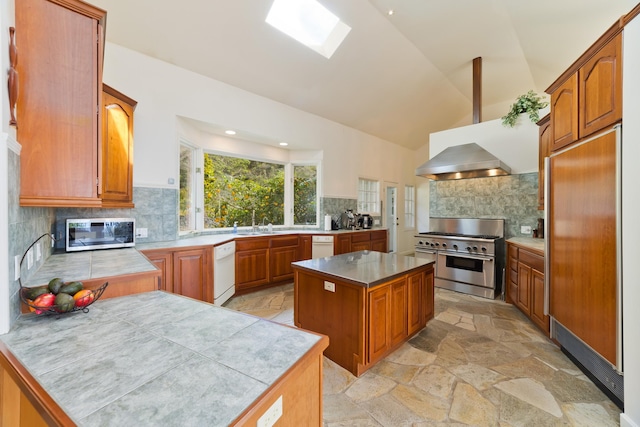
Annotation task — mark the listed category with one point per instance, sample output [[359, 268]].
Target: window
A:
[[368, 196], [409, 206], [187, 186], [305, 195], [243, 191]]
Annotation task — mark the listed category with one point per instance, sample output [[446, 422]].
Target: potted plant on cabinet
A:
[[529, 103]]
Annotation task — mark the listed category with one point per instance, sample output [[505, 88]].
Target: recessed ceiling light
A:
[[230, 132], [390, 12], [284, 144]]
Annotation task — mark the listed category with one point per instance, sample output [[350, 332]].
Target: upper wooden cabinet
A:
[[58, 120], [600, 88], [544, 149], [588, 96], [564, 114], [116, 184]]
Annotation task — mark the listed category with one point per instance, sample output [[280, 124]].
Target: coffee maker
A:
[[366, 221]]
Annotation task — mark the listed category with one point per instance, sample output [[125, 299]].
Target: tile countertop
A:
[[155, 359], [216, 239], [528, 242], [365, 268], [114, 262], [91, 265]]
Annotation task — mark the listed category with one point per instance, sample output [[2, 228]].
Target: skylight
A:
[[310, 23]]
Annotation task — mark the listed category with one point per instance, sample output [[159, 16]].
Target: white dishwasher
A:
[[224, 272], [321, 246]]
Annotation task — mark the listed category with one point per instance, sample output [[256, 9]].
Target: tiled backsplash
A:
[[25, 226], [513, 198], [156, 209]]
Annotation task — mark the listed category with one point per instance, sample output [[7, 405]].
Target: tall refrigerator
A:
[[584, 257]]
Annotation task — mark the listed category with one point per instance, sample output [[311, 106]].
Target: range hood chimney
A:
[[467, 160]]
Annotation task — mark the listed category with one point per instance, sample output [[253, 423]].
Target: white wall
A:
[[517, 147], [630, 224], [6, 133], [165, 93]]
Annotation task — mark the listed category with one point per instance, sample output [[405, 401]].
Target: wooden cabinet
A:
[[417, 294], [379, 322], [342, 244], [304, 247], [600, 89], [379, 240], [387, 318], [192, 273], [283, 251], [564, 114], [164, 261], [588, 97], [525, 281], [116, 185], [252, 263], [544, 149], [361, 241], [187, 271], [363, 324], [60, 68]]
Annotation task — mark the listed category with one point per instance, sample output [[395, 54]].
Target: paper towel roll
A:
[[327, 223]]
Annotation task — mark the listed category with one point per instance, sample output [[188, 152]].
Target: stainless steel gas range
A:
[[469, 254]]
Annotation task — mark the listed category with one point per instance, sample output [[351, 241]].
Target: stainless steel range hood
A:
[[461, 162]]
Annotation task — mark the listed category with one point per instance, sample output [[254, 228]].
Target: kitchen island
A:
[[368, 303], [158, 359]]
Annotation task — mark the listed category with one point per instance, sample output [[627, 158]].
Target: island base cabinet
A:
[[363, 324]]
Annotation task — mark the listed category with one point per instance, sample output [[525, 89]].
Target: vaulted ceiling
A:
[[399, 77]]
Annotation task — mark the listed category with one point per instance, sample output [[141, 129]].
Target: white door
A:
[[392, 217]]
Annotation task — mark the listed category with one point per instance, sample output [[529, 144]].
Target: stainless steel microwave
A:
[[100, 233]]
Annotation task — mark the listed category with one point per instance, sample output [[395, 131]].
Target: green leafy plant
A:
[[529, 103]]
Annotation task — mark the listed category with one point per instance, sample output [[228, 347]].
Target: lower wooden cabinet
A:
[[387, 318], [379, 241], [304, 247], [525, 283], [192, 274], [264, 261], [187, 272], [342, 244], [282, 252], [252, 263], [361, 241], [164, 261]]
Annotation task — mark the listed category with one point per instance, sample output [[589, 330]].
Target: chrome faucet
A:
[[264, 218]]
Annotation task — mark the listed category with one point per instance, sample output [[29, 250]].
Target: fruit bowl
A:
[[83, 306]]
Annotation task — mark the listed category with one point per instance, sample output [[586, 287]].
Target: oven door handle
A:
[[478, 257]]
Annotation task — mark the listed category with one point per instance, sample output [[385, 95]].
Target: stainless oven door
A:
[[472, 269]]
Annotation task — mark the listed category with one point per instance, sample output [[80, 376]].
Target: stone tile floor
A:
[[478, 363]]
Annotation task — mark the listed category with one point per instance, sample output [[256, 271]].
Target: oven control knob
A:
[[419, 242], [475, 248], [469, 248], [444, 245], [484, 249], [455, 247], [437, 244]]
